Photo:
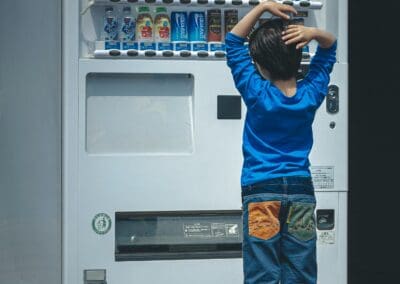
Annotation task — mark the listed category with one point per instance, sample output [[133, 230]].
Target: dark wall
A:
[[374, 205]]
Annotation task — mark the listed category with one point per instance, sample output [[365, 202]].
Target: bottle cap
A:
[[126, 9], [143, 9], [109, 9], [161, 10]]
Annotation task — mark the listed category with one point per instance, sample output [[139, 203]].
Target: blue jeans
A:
[[279, 238]]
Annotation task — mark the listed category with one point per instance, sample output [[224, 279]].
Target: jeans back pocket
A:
[[264, 219], [301, 220]]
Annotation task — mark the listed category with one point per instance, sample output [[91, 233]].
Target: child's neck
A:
[[287, 87]]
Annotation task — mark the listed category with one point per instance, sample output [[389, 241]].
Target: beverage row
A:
[[178, 26]]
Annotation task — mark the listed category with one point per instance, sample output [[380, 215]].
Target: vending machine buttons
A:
[[132, 53], [219, 54], [305, 3], [168, 53], [115, 52], [202, 54], [150, 53], [185, 53], [237, 2], [288, 2]]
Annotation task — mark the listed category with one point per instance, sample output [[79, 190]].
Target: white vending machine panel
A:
[[152, 154]]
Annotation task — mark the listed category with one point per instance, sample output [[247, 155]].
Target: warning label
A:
[[323, 177], [326, 237], [199, 230], [210, 230]]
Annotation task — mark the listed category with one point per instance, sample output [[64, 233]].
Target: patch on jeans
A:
[[264, 219], [301, 221]]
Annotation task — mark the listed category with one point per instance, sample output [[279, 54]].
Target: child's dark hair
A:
[[270, 52]]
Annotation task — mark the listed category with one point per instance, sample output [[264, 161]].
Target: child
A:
[[279, 242]]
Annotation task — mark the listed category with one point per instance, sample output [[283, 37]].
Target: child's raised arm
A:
[[244, 26]]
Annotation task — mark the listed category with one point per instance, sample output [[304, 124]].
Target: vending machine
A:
[[152, 128]]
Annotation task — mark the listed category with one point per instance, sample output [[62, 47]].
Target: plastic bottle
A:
[[128, 25], [162, 25], [110, 29], [128, 29], [144, 25]]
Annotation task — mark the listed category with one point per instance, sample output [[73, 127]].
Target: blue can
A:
[[179, 26], [197, 26]]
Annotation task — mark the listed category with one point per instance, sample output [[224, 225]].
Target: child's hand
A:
[[298, 34], [278, 9]]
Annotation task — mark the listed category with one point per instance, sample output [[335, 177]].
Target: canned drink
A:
[[231, 19], [197, 26], [214, 25], [179, 26]]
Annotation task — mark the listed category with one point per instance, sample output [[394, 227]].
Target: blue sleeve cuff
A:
[[327, 50]]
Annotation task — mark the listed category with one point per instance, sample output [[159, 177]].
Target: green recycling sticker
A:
[[101, 223]]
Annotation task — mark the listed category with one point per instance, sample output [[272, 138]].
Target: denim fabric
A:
[[279, 238]]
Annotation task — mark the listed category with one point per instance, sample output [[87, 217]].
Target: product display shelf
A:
[[304, 4]]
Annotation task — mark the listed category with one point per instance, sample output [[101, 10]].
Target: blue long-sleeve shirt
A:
[[277, 135]]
